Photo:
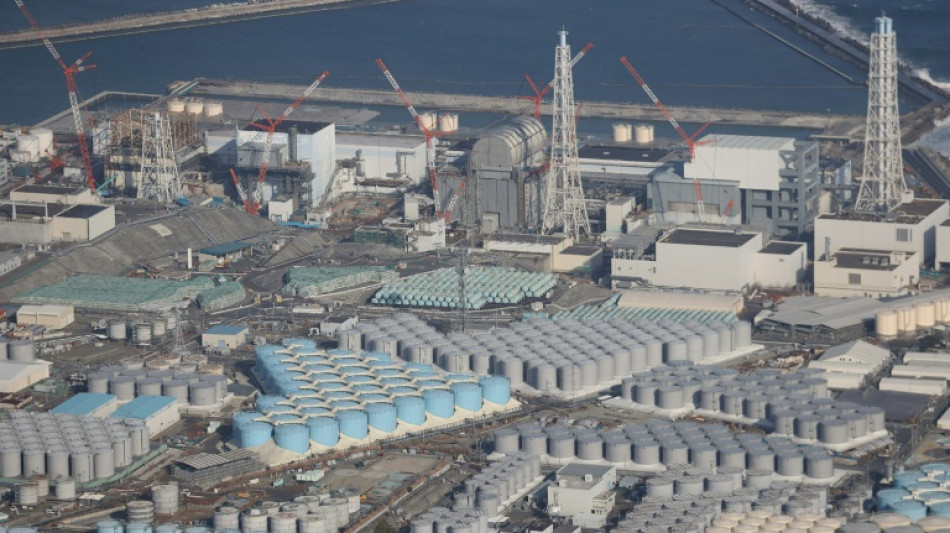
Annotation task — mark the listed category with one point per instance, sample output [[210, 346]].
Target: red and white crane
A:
[[429, 135], [689, 140], [270, 127], [240, 188], [447, 215], [69, 71], [540, 94]]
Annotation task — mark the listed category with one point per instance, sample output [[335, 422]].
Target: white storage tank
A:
[[643, 133], [448, 122], [428, 120], [621, 132], [165, 498], [175, 106], [194, 107], [213, 109], [924, 313], [117, 330]]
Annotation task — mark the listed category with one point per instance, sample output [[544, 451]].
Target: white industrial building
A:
[[9, 261], [849, 365], [381, 156], [280, 210], [870, 273], [942, 259], [548, 253], [333, 324], [928, 387], [585, 493], [910, 227], [158, 412], [48, 315], [224, 337], [18, 375], [53, 194], [708, 259], [45, 223]]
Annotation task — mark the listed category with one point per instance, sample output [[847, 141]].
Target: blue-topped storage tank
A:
[[425, 367], [902, 479], [440, 403], [324, 377], [355, 379], [410, 409], [138, 527], [265, 403], [293, 437], [382, 416], [313, 410], [496, 389], [304, 401], [370, 397], [460, 377], [312, 359], [425, 384], [468, 395], [941, 509], [343, 404], [353, 423], [109, 526], [387, 372], [337, 394], [394, 381], [318, 367], [277, 409], [910, 508], [285, 417], [324, 430], [254, 434], [338, 352], [352, 369], [366, 387], [377, 356], [886, 497], [935, 468], [401, 390]]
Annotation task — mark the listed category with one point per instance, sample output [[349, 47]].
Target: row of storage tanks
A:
[[499, 482], [794, 403], [320, 396], [663, 443], [68, 446], [898, 523], [703, 515], [141, 331], [625, 132], [483, 286], [689, 500], [918, 493], [186, 386], [23, 351], [444, 122], [194, 106], [306, 514], [908, 319], [564, 355], [38, 488]]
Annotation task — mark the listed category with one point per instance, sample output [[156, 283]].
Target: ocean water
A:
[[691, 52]]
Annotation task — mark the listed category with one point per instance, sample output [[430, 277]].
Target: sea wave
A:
[[938, 138]]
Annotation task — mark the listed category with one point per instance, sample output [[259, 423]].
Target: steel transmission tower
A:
[[564, 205], [160, 180], [883, 183]]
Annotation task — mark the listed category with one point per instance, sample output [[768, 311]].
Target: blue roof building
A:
[[88, 404], [158, 412]]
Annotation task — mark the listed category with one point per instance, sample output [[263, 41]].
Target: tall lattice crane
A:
[[270, 127], [539, 95], [69, 71], [429, 135], [690, 140], [240, 190]]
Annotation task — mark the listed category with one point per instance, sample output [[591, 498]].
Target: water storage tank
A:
[[140, 511], [643, 133], [885, 324], [254, 434], [65, 490], [410, 409], [80, 465], [22, 350], [509, 145], [561, 446], [98, 382], [202, 393], [382, 416], [293, 437], [448, 122], [214, 109], [165, 498], [589, 447], [103, 461], [175, 105], [34, 461], [924, 314], [283, 523], [534, 443], [27, 494], [194, 107], [149, 387], [496, 389], [741, 335], [158, 328], [834, 431], [467, 395], [227, 517], [354, 423], [123, 387], [117, 330], [57, 463], [621, 132], [254, 520], [143, 333], [109, 526], [440, 403], [324, 430], [177, 389], [429, 120]]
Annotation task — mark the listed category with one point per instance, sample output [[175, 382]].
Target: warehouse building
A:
[[53, 194], [585, 493], [48, 315], [18, 375], [88, 404], [83, 222], [206, 469], [910, 227], [731, 260], [224, 254], [868, 273], [548, 253], [224, 337], [850, 365], [44, 223], [778, 178], [158, 412]]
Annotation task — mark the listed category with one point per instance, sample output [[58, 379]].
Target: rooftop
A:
[[304, 127], [83, 211], [379, 140], [728, 239], [226, 330], [864, 259], [83, 403], [143, 407], [201, 461], [581, 470], [920, 207], [782, 248], [747, 142], [579, 249], [50, 189], [528, 239], [31, 211], [623, 153], [226, 248]]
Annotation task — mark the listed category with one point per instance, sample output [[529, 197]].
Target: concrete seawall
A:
[[842, 125], [174, 20]]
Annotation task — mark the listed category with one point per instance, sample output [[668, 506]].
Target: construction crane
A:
[[540, 94], [240, 190], [69, 71], [447, 215], [429, 135], [270, 127], [689, 140]]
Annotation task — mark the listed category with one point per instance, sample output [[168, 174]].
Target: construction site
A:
[[258, 307]]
